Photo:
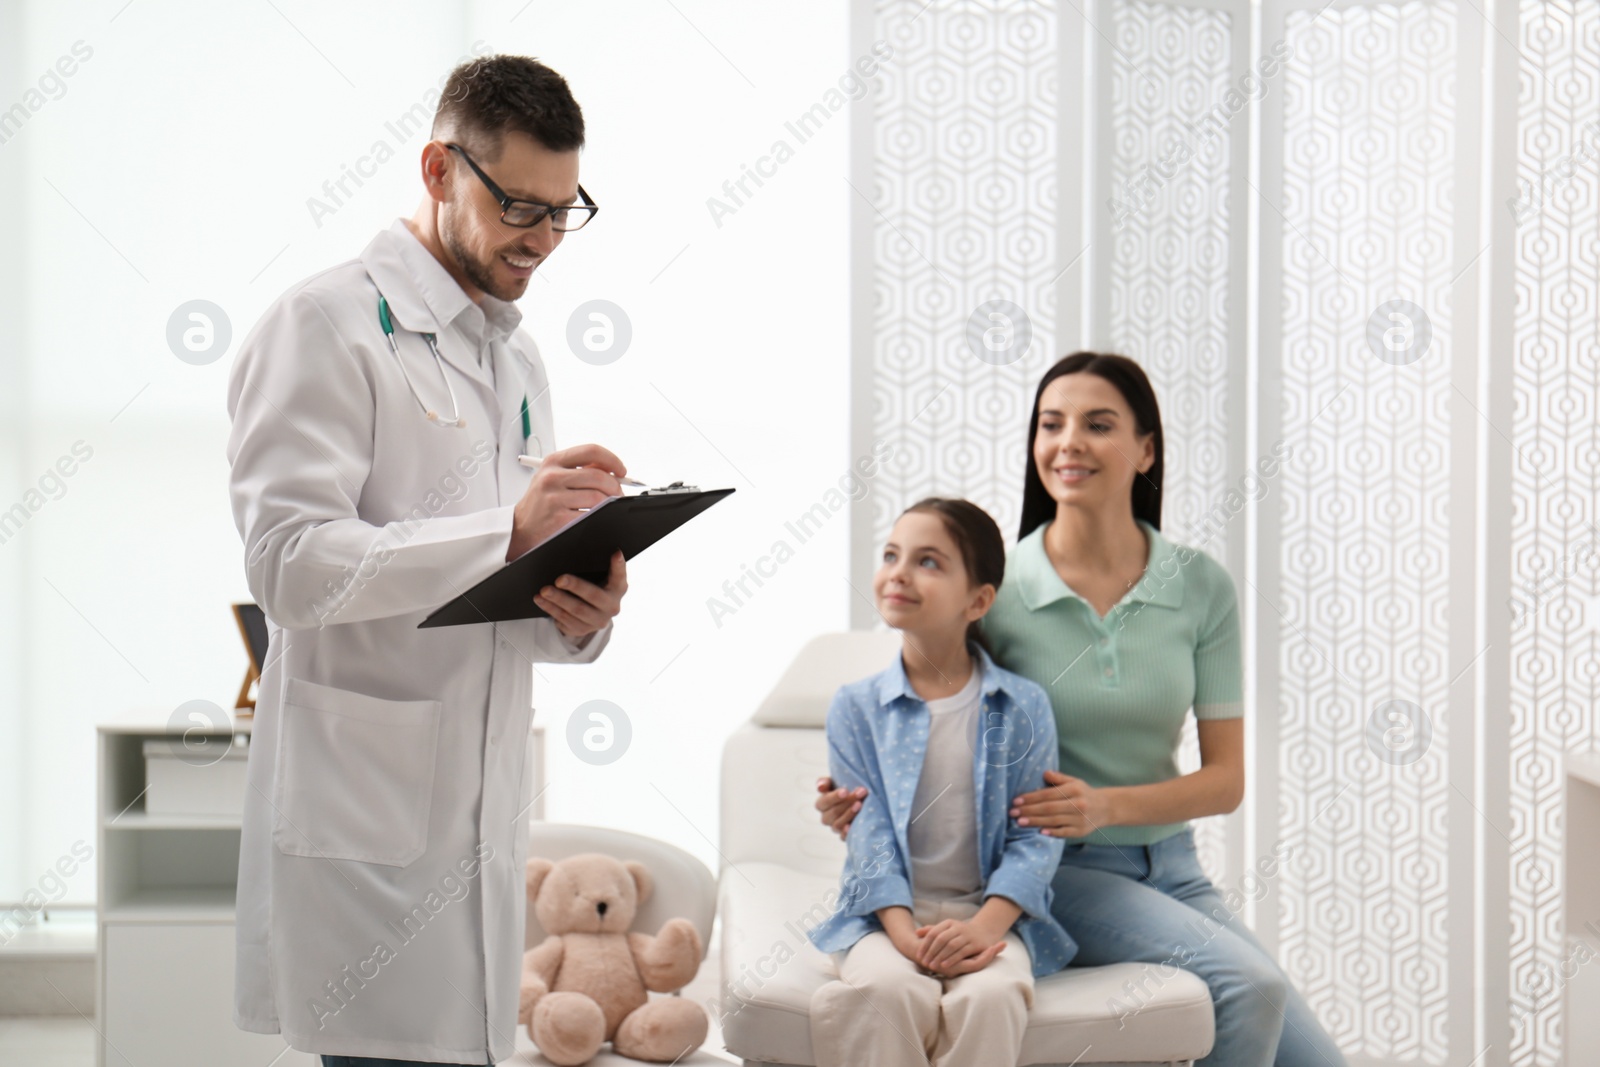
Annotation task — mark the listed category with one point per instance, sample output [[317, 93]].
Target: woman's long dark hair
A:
[[983, 550], [1038, 506]]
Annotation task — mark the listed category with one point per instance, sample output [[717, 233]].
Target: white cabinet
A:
[[169, 1000], [165, 954]]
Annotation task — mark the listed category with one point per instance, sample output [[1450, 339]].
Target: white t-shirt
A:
[[943, 834]]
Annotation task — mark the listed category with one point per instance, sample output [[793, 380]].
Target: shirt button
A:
[[1104, 641], [1109, 672], [494, 740]]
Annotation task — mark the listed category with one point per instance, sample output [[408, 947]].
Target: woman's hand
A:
[[838, 806], [1065, 807]]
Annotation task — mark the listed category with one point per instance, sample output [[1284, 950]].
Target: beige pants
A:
[[883, 1010]]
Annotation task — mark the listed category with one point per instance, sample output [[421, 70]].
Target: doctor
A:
[[381, 901]]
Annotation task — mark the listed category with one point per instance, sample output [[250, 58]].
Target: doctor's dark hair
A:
[[486, 97], [1038, 506], [983, 550]]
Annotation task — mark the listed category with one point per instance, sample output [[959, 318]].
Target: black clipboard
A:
[[583, 548]]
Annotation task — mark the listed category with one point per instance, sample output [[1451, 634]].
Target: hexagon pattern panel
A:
[[963, 216], [1554, 376], [1170, 244], [962, 212], [1364, 603], [991, 142]]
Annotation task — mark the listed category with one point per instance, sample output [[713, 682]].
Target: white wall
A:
[[176, 164]]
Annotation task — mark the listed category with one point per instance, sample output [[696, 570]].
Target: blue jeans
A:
[[1152, 904]]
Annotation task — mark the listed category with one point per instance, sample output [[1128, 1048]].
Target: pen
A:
[[533, 461]]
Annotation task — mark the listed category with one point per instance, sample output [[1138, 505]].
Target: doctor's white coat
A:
[[381, 900]]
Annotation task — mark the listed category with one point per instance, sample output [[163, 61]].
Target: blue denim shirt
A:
[[882, 715]]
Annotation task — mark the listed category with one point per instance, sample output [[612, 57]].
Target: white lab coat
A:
[[381, 886]]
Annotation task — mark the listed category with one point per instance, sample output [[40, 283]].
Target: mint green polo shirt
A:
[[1121, 686]]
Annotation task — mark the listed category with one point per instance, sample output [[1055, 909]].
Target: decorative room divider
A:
[[1357, 247]]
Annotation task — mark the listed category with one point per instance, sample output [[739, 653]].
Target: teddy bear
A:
[[589, 982]]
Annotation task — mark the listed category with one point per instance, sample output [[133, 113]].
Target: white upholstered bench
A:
[[780, 864]]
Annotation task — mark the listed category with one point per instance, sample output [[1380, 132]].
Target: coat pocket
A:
[[355, 775]]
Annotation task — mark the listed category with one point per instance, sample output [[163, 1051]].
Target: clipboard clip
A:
[[675, 487]]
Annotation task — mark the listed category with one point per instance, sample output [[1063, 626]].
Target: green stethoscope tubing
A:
[[387, 323]]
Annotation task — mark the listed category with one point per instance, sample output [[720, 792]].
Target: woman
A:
[[1127, 631]]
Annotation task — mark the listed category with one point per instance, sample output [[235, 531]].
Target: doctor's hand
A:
[[579, 608], [567, 480]]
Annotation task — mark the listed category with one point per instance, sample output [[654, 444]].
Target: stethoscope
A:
[[455, 418]]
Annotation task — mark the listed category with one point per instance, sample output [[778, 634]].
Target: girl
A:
[[944, 920]]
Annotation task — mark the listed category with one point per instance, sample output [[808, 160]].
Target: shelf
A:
[[136, 819], [124, 777], [190, 903], [162, 728], [165, 937]]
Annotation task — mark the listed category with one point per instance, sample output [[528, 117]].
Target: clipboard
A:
[[582, 548]]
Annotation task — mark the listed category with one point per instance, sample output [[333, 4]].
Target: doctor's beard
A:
[[478, 272]]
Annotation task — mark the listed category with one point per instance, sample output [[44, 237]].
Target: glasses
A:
[[526, 213]]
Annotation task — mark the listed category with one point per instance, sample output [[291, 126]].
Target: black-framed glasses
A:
[[525, 213]]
